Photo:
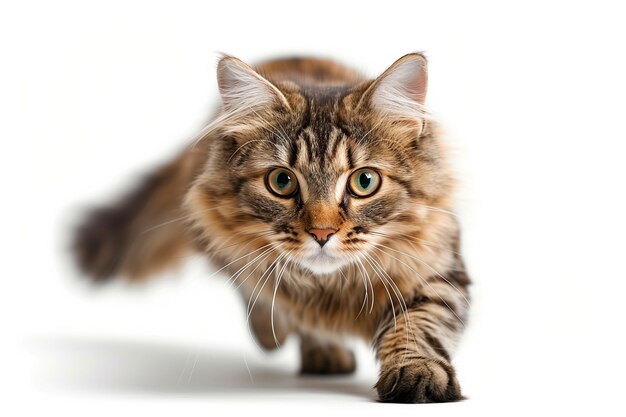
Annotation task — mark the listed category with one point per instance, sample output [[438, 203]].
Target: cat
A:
[[328, 200]]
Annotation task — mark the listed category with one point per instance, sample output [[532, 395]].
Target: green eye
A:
[[281, 182], [364, 182]]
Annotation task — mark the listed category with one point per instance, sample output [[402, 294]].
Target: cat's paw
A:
[[327, 360], [268, 337], [98, 243], [419, 380]]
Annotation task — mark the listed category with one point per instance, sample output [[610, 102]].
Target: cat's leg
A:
[[325, 357], [144, 231], [414, 349], [260, 320]]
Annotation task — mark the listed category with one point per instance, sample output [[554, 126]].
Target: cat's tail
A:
[[142, 233]]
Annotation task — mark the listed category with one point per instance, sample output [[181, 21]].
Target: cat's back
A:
[[309, 71]]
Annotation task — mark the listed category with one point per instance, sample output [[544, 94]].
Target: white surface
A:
[[91, 96]]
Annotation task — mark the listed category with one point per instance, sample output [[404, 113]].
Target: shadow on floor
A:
[[127, 367]]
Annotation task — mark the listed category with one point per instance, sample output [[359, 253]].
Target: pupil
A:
[[365, 179], [282, 180]]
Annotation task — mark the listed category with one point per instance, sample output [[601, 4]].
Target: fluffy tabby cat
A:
[[327, 199]]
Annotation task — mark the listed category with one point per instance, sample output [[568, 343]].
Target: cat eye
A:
[[281, 182], [364, 182]]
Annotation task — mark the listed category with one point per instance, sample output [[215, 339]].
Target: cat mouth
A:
[[324, 257], [322, 262]]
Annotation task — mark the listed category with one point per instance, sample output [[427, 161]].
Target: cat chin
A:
[[322, 264]]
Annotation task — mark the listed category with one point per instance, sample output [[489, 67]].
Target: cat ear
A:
[[243, 89], [401, 90]]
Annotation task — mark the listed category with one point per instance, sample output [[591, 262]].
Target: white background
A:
[[93, 94]]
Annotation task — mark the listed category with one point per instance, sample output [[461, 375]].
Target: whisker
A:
[[365, 297], [222, 247], [369, 281], [393, 310], [408, 238], [401, 302], [280, 275], [403, 307], [428, 266], [267, 272], [263, 255], [430, 286], [241, 257]]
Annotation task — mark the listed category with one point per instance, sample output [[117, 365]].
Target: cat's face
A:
[[322, 176]]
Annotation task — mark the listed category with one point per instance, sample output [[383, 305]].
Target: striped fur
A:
[[392, 273]]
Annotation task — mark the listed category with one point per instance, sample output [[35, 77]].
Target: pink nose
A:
[[322, 235]]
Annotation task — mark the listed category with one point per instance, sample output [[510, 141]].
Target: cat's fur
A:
[[391, 274]]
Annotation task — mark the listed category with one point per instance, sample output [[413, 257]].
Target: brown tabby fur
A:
[[403, 287]]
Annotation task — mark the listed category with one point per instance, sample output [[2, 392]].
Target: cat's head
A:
[[318, 169]]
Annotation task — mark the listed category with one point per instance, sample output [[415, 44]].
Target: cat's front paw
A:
[[418, 380], [99, 243], [327, 360]]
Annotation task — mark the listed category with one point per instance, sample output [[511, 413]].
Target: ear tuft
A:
[[243, 89], [401, 90]]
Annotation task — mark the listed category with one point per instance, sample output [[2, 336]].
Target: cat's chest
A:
[[354, 309]]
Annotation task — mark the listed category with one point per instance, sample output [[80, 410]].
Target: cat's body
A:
[[327, 200]]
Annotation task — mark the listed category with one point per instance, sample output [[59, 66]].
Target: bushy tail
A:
[[142, 233]]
